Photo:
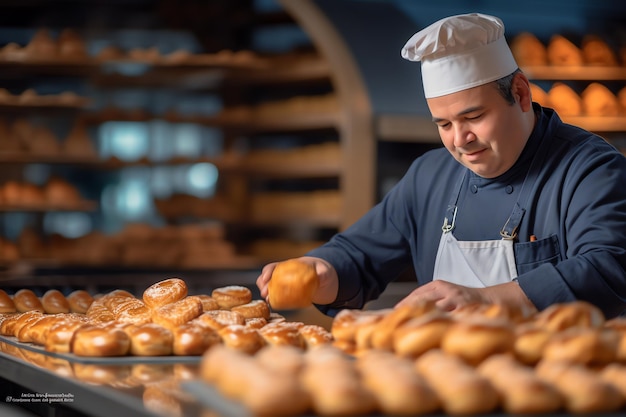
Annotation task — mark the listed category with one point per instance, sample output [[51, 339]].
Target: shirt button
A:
[[474, 189], [509, 189]]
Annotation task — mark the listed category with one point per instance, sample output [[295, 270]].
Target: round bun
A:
[[96, 341], [6, 303], [150, 340], [231, 296], [54, 302], [165, 292], [27, 300], [255, 308], [79, 300], [293, 285]]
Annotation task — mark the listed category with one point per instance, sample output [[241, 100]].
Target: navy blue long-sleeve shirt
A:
[[577, 211]]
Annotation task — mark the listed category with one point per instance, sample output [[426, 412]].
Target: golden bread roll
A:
[[583, 345], [80, 301], [528, 50], [255, 322], [599, 101], [27, 300], [583, 390], [597, 52], [134, 313], [282, 359], [615, 374], [38, 332], [561, 316], [60, 335], [293, 285], [6, 303], [347, 321], [315, 335], [562, 52], [208, 303], [363, 334], [521, 391], [539, 95], [24, 322], [396, 385], [54, 302], [165, 292], [174, 314], [530, 341], [273, 395], [460, 388], [475, 339], [241, 338], [255, 308], [191, 339], [286, 333], [216, 319], [98, 341], [421, 334], [335, 385], [382, 338], [99, 313], [8, 324], [215, 362], [161, 401], [150, 339], [231, 296], [565, 100]]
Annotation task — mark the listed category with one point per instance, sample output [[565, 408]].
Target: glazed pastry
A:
[[80, 301], [174, 314], [27, 300], [565, 100], [561, 316], [382, 338], [165, 292], [150, 340], [528, 50], [530, 341], [286, 333], [241, 338], [99, 341], [583, 345], [231, 296], [191, 340], [216, 319], [54, 302], [599, 101], [562, 52], [420, 334], [208, 303], [6, 303], [255, 308], [315, 335]]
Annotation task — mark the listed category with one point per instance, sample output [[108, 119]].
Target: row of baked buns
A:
[[596, 100], [57, 192], [561, 51], [421, 360], [20, 136], [166, 320]]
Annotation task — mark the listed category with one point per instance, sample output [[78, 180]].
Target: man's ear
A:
[[521, 91]]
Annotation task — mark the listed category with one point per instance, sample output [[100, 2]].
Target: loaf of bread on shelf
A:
[[563, 52], [599, 101], [539, 95], [565, 100], [78, 142], [528, 50], [596, 51], [71, 45], [42, 46]]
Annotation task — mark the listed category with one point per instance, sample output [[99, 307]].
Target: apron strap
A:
[[450, 218]]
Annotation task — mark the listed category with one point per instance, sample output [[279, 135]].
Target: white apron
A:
[[484, 263]]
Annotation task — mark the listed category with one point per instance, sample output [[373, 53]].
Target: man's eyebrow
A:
[[466, 111]]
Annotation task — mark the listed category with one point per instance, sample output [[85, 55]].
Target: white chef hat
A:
[[460, 52]]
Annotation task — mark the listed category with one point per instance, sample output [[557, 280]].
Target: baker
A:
[[516, 208]]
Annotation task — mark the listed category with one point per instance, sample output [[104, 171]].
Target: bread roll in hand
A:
[[293, 285]]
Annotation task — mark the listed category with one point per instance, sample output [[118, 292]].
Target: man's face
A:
[[480, 129]]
